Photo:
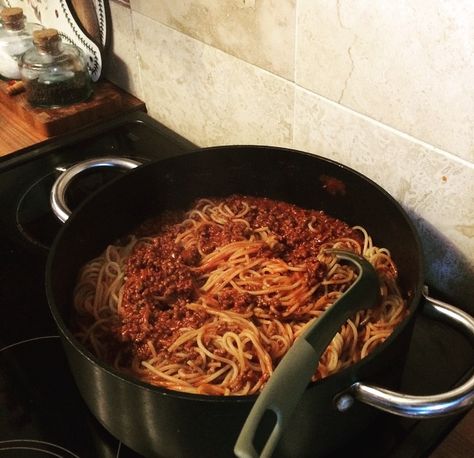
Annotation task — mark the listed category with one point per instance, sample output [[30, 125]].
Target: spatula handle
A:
[[292, 375]]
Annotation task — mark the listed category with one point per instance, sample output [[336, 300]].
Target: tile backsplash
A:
[[384, 87]]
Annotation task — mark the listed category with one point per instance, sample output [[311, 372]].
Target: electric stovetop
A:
[[41, 411]]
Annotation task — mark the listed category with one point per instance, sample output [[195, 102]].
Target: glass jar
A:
[[15, 39], [54, 73]]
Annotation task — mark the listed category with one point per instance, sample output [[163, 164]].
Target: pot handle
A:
[[58, 191], [448, 403]]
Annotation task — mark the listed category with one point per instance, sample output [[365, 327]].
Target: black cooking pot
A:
[[159, 422]]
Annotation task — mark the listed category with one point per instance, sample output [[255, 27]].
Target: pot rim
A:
[[413, 298]]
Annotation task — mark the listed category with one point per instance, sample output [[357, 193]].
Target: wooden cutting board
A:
[[105, 103]]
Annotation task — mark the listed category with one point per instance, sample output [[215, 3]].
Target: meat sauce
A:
[[161, 277]]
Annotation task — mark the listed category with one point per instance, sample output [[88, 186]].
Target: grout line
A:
[[393, 130], [295, 86]]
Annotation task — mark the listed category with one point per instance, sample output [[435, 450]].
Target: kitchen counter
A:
[[15, 135]]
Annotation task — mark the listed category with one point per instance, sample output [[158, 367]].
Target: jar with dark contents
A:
[[54, 73]]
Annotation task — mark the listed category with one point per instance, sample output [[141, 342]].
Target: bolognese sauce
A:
[[209, 300]]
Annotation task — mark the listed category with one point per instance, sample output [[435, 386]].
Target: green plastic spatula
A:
[[292, 375]]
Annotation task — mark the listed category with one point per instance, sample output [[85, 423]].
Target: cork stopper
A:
[[46, 39], [12, 18]]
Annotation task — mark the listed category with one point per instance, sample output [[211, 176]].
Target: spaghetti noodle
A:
[[210, 300]]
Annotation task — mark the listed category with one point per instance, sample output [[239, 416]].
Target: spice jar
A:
[[15, 39], [54, 73]]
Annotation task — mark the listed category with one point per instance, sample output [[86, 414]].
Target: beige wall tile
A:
[[407, 64], [436, 188], [122, 2], [208, 96], [261, 32], [121, 65]]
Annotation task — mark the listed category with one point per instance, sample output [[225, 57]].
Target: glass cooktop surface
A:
[[41, 410]]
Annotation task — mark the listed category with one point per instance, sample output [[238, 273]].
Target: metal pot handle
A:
[[451, 402], [58, 191]]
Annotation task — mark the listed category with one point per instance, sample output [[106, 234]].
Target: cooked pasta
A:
[[209, 300]]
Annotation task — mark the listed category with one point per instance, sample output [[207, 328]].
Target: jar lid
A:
[[10, 15], [46, 39]]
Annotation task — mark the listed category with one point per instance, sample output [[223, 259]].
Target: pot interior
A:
[[288, 175], [302, 179]]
